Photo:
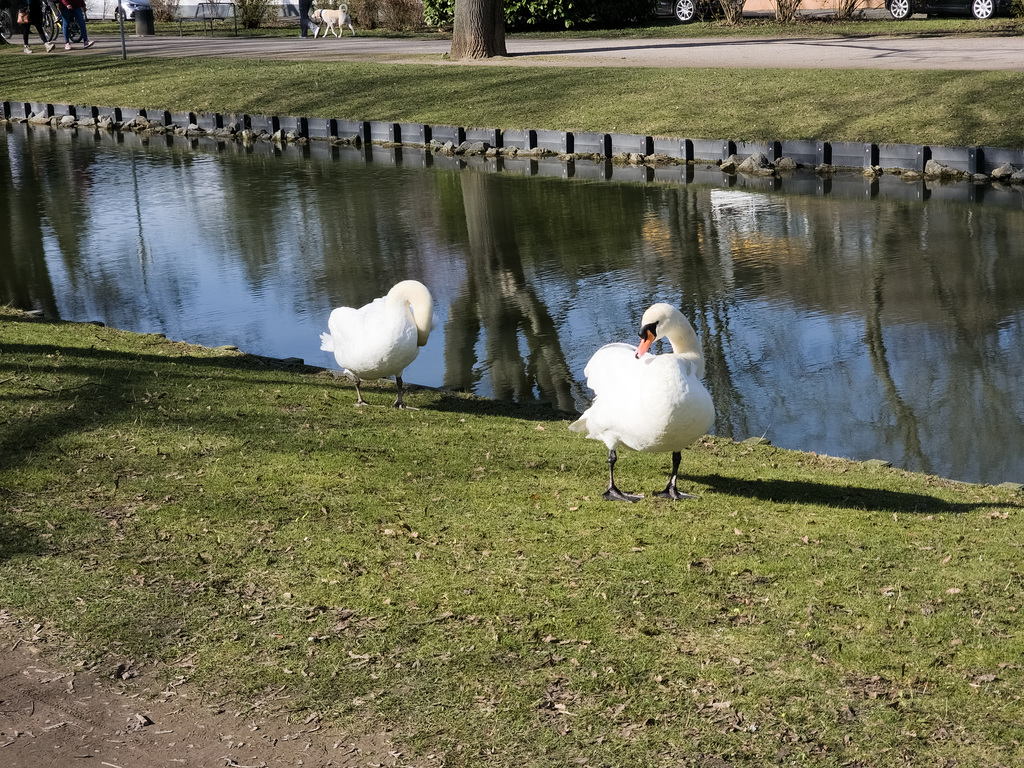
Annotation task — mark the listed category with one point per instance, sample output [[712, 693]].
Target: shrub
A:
[[785, 10], [253, 13], [398, 15], [732, 10], [365, 13], [554, 14], [439, 13], [164, 10], [847, 9], [402, 14]]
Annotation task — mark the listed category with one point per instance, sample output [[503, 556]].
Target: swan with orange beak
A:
[[648, 402]]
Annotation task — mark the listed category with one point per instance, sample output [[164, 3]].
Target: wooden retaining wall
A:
[[908, 157]]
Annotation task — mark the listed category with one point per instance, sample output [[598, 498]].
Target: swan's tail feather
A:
[[326, 342]]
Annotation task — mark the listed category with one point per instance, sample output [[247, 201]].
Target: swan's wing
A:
[[351, 328], [611, 368], [651, 404], [609, 372], [372, 342]]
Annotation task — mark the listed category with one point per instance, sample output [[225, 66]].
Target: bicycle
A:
[[53, 23], [7, 15]]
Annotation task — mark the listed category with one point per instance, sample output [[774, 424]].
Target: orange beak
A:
[[646, 339]]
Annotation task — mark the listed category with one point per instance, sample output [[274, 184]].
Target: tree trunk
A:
[[479, 31]]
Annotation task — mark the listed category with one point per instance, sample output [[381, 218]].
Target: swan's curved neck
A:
[[683, 339], [685, 344], [420, 304]]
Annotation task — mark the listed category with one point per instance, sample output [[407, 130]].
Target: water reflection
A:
[[870, 322]]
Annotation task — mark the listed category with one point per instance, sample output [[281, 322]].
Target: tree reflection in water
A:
[[880, 325], [497, 302]]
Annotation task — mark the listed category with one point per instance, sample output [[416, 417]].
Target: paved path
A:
[[962, 53]]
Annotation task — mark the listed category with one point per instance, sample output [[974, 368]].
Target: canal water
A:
[[866, 319]]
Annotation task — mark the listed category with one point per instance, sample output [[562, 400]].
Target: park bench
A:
[[209, 13]]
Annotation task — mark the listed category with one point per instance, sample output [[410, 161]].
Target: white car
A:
[[114, 9]]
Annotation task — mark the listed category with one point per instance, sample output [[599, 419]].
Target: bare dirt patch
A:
[[58, 718]]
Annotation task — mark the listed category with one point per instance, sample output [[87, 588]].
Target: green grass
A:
[[948, 108], [961, 108], [453, 574]]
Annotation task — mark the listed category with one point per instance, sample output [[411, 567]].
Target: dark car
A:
[[979, 9], [685, 11]]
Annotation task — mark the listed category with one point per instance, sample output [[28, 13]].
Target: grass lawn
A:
[[203, 516], [949, 108]]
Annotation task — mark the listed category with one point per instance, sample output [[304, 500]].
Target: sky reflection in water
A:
[[868, 327]]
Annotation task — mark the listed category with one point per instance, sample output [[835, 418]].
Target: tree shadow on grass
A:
[[473, 406], [16, 539], [94, 386], [839, 496]]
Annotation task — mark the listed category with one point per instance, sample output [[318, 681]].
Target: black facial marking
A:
[[651, 328]]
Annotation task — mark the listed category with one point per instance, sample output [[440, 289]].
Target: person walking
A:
[[73, 10], [305, 23], [32, 10]]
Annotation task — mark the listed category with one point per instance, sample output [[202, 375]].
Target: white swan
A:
[[382, 338], [652, 403]]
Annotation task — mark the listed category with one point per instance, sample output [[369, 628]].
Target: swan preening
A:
[[651, 403], [382, 338]]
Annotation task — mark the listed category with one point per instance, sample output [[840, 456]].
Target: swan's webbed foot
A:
[[398, 403], [671, 492], [614, 494]]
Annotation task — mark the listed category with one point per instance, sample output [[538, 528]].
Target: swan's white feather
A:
[[656, 403], [383, 337]]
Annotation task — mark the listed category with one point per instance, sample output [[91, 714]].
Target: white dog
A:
[[332, 18]]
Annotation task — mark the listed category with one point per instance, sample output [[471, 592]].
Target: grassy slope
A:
[[933, 107], [452, 571]]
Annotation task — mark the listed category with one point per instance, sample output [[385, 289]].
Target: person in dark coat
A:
[[305, 6], [35, 19]]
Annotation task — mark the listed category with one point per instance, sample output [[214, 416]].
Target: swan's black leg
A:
[[613, 493], [671, 492], [398, 403]]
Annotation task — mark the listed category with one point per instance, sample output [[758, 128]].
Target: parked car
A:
[[685, 11], [114, 9], [979, 9]]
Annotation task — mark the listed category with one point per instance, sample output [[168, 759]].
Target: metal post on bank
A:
[[124, 46]]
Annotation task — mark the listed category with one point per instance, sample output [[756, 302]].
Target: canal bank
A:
[[975, 164]]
